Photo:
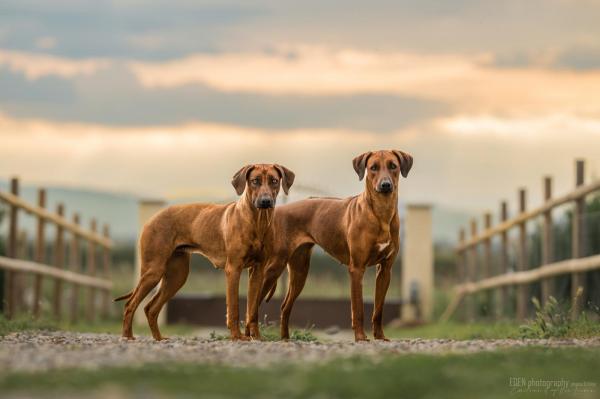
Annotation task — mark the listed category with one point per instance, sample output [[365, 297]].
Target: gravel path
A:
[[38, 351]]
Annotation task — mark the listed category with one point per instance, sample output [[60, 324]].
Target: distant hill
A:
[[119, 210]]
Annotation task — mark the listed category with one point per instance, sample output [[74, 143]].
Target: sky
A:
[[170, 98]]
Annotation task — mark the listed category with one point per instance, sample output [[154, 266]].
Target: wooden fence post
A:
[[75, 259], [91, 258], [461, 271], [59, 262], [40, 255], [502, 302], [578, 279], [547, 242], [522, 262], [487, 259], [20, 277], [461, 264], [106, 267], [11, 252], [472, 272]]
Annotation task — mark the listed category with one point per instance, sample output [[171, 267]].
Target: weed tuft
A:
[[553, 320]]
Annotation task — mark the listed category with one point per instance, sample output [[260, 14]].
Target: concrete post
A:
[[417, 264], [146, 209]]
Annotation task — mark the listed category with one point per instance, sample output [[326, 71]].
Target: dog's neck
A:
[[260, 218], [383, 206]]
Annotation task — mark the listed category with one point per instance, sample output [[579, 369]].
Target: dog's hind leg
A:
[[298, 266], [154, 271], [273, 270], [178, 268]]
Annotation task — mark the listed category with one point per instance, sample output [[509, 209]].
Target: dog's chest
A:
[[383, 249], [255, 251], [382, 246]]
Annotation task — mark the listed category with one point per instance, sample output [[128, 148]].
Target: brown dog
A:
[[232, 236], [359, 231]]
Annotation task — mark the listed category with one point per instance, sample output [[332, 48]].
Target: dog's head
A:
[[383, 169], [262, 182]]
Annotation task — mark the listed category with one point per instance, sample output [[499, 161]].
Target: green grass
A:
[[27, 323], [458, 331], [411, 376], [24, 323], [584, 327], [269, 332]]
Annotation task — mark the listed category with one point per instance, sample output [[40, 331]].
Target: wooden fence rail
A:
[[66, 246], [469, 268]]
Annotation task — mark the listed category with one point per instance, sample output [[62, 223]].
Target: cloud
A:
[[455, 159], [580, 57], [307, 70], [472, 81], [527, 127], [298, 87], [45, 42], [35, 66], [116, 29], [159, 30], [113, 96]]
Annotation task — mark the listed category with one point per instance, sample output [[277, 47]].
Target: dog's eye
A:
[[373, 167], [274, 181], [393, 166], [256, 181]]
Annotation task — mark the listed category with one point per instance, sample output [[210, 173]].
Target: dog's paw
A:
[[127, 338], [361, 338]]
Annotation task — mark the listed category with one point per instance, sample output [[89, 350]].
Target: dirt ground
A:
[[41, 351]]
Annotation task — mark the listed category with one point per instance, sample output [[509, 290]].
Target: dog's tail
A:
[[271, 292], [126, 296]]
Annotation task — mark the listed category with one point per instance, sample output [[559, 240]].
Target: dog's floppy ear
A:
[[239, 179], [360, 163], [406, 162], [287, 177]]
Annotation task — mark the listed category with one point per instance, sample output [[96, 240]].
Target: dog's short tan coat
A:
[[359, 231], [233, 237]]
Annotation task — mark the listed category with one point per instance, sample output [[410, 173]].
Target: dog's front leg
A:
[[356, 279], [232, 273], [254, 288], [382, 283]]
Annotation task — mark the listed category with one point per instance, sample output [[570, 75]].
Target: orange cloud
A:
[[35, 66], [466, 81], [470, 83]]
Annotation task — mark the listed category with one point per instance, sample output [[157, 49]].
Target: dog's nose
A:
[[385, 186], [265, 203]]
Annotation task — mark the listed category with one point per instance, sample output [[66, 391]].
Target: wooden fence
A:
[[72, 244], [476, 273]]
